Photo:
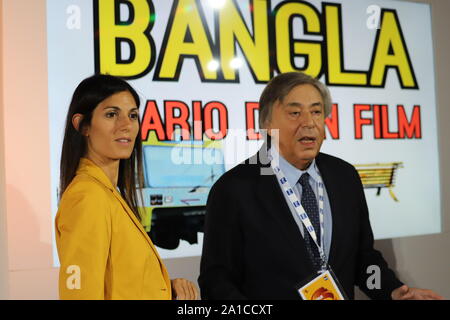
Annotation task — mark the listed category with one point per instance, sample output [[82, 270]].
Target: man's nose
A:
[[306, 120]]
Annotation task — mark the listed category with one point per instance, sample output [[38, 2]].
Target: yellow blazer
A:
[[103, 249]]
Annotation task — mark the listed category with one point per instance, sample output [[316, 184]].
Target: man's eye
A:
[[295, 114], [317, 112]]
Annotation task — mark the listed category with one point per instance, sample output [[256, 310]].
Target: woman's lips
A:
[[124, 141]]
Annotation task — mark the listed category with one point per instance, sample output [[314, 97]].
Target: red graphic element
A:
[[173, 121], [197, 114], [332, 122], [250, 108], [152, 121], [359, 120], [322, 294], [212, 120], [379, 119], [223, 120], [409, 129], [385, 124]]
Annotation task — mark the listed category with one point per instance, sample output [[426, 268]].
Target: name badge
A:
[[322, 287]]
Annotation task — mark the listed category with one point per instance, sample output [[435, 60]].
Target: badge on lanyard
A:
[[322, 287]]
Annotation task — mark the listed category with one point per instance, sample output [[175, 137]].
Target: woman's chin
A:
[[122, 156]]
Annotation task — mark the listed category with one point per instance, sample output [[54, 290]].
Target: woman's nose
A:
[[125, 123]]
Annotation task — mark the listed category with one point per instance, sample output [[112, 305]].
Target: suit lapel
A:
[[332, 186], [272, 199]]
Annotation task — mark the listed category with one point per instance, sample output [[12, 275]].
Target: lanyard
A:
[[302, 213]]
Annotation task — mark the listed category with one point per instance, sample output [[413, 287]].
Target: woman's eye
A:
[[295, 114], [134, 116], [111, 114]]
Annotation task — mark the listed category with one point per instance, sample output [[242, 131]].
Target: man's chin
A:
[[308, 156], [307, 153]]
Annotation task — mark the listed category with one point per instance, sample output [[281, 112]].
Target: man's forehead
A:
[[295, 102], [308, 91]]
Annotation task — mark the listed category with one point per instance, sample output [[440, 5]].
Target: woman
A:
[[103, 249]]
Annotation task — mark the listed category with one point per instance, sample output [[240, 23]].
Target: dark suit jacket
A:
[[253, 248]]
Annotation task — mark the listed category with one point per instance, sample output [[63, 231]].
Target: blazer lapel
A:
[[138, 224], [132, 216]]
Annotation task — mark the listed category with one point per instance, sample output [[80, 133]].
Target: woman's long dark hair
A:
[[89, 93]]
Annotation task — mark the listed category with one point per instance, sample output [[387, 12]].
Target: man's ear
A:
[[76, 120]]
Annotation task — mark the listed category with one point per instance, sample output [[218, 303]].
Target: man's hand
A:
[[183, 289], [406, 293]]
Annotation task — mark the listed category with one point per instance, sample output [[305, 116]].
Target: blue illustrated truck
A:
[[177, 178]]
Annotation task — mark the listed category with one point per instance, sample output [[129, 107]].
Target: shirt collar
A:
[[292, 173]]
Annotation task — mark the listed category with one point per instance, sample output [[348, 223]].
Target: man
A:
[[256, 245]]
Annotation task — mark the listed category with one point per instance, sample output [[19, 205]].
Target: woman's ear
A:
[[76, 120]]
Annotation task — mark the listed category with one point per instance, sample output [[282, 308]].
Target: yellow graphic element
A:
[[336, 75], [323, 287], [152, 140], [188, 35], [284, 39], [379, 175], [390, 52], [187, 22], [255, 48], [133, 33]]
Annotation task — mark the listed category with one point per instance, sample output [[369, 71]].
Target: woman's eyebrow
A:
[[111, 107], [118, 108]]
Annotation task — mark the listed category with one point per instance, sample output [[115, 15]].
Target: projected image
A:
[[378, 176], [200, 68], [178, 177]]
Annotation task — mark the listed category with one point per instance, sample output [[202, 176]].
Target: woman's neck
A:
[[109, 166]]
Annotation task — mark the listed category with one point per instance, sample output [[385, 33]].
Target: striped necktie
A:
[[309, 203]]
